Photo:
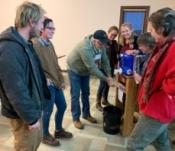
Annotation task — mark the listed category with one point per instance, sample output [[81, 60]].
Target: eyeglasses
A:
[[51, 28]]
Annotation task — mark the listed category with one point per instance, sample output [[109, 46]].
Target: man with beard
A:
[[22, 81]]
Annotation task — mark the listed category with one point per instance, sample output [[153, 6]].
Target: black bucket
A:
[[111, 119]]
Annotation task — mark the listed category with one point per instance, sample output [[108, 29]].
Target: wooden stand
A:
[[129, 102]]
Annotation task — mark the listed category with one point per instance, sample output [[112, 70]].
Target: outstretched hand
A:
[[35, 126]]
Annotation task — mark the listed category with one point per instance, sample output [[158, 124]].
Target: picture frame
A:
[[137, 16]]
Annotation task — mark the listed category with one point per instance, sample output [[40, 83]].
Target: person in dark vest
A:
[[112, 53]]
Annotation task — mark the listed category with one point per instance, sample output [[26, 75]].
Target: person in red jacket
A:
[[156, 95]]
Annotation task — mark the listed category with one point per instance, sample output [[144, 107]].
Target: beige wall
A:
[[76, 18]]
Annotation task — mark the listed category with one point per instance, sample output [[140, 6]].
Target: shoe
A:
[[105, 102], [90, 119], [50, 140], [99, 107], [62, 134], [78, 124]]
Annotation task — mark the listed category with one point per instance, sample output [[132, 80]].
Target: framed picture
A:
[[136, 15]]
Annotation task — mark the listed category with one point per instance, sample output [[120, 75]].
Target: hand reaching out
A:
[[137, 77], [132, 52], [35, 126]]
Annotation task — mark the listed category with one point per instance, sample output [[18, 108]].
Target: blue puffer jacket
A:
[[22, 84]]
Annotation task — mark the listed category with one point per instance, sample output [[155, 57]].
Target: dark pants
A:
[[103, 89], [57, 97], [79, 83]]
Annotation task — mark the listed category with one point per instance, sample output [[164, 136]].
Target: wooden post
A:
[[129, 104]]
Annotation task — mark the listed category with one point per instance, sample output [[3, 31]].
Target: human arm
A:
[[59, 71], [168, 84], [87, 57], [132, 52], [105, 63], [35, 126], [137, 77]]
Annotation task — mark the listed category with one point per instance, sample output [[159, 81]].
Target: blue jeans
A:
[[149, 131], [57, 97], [79, 83]]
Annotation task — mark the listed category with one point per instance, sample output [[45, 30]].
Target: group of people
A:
[[31, 81]]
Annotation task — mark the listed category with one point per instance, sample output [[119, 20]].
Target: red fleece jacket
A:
[[161, 103]]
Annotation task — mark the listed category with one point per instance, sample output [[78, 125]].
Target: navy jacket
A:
[[22, 83]]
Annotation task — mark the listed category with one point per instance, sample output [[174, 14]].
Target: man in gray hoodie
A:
[[22, 81], [88, 57]]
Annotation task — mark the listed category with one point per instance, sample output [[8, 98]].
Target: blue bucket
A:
[[126, 63]]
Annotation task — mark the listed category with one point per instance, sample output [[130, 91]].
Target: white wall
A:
[[76, 18]]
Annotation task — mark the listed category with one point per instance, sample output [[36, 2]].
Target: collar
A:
[[23, 39], [44, 42]]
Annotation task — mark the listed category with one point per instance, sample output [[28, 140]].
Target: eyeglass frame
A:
[[51, 28]]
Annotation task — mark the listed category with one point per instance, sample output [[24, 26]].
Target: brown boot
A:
[[50, 140], [99, 107], [98, 104], [90, 119], [78, 124], [62, 134], [105, 102]]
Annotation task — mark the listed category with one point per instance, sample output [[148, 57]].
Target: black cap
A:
[[101, 35]]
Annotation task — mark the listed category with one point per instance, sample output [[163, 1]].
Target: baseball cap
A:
[[101, 36]]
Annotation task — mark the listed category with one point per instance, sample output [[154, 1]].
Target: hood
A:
[[88, 38], [88, 42], [11, 34]]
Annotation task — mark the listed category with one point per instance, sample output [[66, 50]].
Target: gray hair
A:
[[147, 40], [163, 21]]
